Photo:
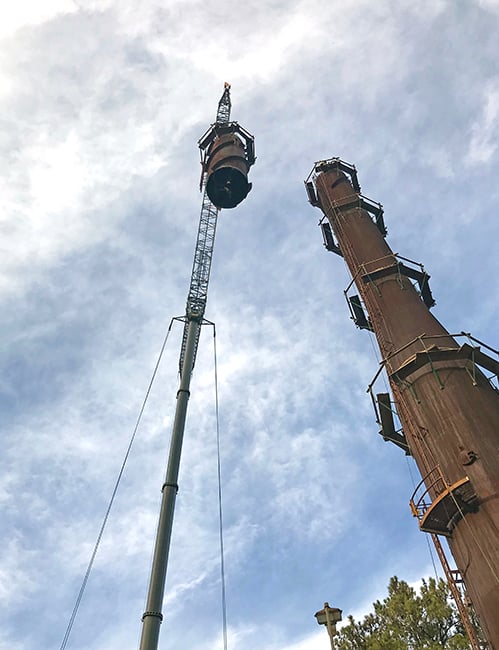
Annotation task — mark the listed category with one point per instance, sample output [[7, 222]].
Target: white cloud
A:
[[25, 13], [485, 130], [16, 579], [492, 5], [317, 641]]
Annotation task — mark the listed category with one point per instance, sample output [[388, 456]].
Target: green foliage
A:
[[406, 620]]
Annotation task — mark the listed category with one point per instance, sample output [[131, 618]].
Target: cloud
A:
[[101, 110], [29, 13], [17, 583], [490, 5], [485, 129]]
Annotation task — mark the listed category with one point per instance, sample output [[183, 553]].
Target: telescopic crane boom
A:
[[223, 172]]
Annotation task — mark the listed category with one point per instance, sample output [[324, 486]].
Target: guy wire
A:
[[111, 501], [220, 509]]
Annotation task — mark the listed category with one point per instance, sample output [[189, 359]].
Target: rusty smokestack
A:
[[448, 409]]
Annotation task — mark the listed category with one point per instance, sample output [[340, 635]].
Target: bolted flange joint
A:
[[153, 614]]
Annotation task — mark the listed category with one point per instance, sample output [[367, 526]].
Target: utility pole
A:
[[227, 154], [442, 390]]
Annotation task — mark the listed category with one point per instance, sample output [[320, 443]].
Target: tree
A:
[[406, 620]]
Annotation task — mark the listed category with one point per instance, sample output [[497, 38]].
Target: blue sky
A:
[[102, 104]]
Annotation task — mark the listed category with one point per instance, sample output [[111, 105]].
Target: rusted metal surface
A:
[[227, 171], [458, 590], [446, 415]]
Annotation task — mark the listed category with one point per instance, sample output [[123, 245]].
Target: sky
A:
[[101, 105]]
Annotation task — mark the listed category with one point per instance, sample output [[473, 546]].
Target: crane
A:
[[227, 154]]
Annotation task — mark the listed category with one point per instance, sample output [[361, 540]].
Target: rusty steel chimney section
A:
[[448, 409]]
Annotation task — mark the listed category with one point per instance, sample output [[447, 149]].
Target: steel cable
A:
[[110, 505], [220, 508]]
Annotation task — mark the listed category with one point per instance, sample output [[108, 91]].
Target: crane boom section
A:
[[231, 187], [203, 253]]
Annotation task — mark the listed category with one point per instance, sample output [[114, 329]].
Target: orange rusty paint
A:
[[441, 410]]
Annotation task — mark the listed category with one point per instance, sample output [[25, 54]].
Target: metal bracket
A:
[[335, 163], [327, 235], [374, 209], [388, 431], [420, 276], [357, 313]]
